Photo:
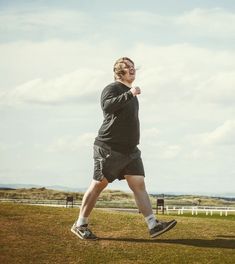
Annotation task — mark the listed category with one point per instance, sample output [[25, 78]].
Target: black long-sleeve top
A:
[[120, 129]]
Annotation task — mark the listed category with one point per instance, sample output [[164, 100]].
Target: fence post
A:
[[69, 199], [160, 203]]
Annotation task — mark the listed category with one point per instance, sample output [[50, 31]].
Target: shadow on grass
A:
[[216, 243]]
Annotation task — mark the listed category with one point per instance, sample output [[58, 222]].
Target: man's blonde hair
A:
[[119, 66]]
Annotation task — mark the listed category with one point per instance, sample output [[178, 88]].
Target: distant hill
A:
[[115, 197], [227, 196], [217, 195], [52, 187], [7, 188]]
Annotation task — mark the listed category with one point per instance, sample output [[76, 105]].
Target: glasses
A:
[[131, 68]]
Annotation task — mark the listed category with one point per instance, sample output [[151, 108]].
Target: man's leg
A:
[[91, 195], [80, 227], [137, 185]]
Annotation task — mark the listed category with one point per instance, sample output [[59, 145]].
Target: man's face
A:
[[129, 76]]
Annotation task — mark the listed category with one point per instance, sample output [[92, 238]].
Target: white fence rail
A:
[[194, 210], [180, 210]]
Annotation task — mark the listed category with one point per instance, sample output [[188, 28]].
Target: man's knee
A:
[[136, 182], [99, 185]]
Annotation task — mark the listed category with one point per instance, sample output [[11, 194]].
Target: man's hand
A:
[[136, 90]]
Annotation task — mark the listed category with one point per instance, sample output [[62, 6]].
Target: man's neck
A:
[[125, 83]]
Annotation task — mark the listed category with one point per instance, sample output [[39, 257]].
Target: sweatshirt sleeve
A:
[[111, 101]]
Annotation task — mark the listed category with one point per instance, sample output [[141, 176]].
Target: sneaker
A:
[[161, 228], [83, 232]]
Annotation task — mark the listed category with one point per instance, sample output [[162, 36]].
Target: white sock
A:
[[82, 221], [151, 221]]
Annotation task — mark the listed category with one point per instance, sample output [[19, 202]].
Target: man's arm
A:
[[112, 102]]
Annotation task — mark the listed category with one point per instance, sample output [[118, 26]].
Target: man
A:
[[116, 155]]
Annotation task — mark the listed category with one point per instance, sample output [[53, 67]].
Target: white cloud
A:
[[171, 151], [224, 134], [70, 143], [178, 80], [214, 144], [155, 149], [42, 23], [150, 133], [139, 19], [10, 146], [27, 60], [69, 87], [215, 22], [219, 88], [186, 73], [202, 153], [3, 146], [56, 23]]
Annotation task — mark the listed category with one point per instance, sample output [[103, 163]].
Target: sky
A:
[[57, 56]]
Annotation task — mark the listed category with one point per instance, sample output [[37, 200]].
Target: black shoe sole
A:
[[169, 227]]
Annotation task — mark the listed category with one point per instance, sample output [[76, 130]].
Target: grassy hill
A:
[[113, 197], [41, 235]]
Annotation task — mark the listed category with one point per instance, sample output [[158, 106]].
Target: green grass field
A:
[[37, 234]]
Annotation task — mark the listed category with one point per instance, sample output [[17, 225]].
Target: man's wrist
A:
[[130, 93]]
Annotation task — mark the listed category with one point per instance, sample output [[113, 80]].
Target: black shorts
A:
[[114, 165]]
